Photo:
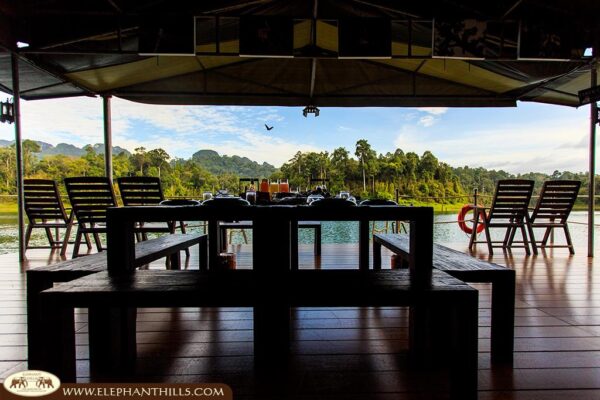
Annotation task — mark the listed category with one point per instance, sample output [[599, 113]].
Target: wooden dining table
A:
[[272, 249], [272, 231]]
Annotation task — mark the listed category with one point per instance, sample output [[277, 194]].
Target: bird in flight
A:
[[268, 127]]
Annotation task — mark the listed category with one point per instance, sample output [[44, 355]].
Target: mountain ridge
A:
[[242, 166], [67, 149]]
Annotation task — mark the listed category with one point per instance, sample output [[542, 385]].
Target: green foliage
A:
[[416, 179]]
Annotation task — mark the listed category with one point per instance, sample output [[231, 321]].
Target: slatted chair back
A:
[[90, 198], [511, 200], [140, 190], [43, 202], [556, 201]]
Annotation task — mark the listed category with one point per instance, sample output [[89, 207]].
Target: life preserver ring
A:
[[462, 223]]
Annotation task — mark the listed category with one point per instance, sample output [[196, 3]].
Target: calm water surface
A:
[[445, 231]]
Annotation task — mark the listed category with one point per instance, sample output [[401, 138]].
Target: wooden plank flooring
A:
[[355, 353]]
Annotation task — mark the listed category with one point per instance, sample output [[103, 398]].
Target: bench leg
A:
[[112, 342], [58, 355], [175, 261], [36, 333], [503, 319], [443, 334], [464, 372]]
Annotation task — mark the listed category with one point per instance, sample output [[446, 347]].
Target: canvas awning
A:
[[87, 48]]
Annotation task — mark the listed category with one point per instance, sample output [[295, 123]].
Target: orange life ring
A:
[[462, 223]]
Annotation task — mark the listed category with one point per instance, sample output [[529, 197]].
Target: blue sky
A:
[[531, 137]]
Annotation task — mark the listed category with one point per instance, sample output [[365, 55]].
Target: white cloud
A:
[[432, 116], [77, 121], [427, 121], [180, 130], [434, 110], [536, 146]]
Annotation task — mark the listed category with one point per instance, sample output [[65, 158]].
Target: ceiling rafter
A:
[[430, 76]]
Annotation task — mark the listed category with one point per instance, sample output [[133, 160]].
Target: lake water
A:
[[446, 230]]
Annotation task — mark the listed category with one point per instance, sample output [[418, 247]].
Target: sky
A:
[[528, 138]]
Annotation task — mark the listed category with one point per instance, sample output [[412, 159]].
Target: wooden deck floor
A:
[[356, 353]]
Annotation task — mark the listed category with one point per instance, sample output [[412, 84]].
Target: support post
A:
[[108, 167], [592, 157], [19, 153]]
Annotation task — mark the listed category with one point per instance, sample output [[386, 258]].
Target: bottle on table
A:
[[274, 187], [284, 186], [264, 185]]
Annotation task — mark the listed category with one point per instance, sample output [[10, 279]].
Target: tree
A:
[[365, 154], [428, 165], [29, 148], [7, 170], [95, 162], [158, 158], [339, 162], [139, 159]]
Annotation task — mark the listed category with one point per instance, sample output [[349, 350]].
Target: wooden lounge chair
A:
[[44, 209], [145, 191], [508, 211], [90, 197], [552, 211]]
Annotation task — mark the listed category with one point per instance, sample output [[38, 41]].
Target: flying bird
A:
[[268, 127]]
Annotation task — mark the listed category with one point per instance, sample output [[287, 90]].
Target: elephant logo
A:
[[31, 383], [19, 382]]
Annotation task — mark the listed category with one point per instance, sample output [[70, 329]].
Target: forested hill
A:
[[360, 170], [241, 166], [66, 149]]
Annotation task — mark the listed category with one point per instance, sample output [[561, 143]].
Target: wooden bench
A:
[[42, 278], [102, 293], [468, 269]]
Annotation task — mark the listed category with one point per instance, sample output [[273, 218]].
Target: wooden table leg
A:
[[363, 245], [203, 253], [213, 244], [271, 246], [376, 255], [294, 245], [318, 240]]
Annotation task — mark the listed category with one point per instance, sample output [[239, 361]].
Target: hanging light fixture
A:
[[310, 109], [7, 112]]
